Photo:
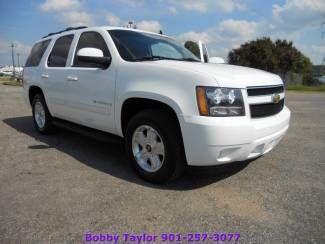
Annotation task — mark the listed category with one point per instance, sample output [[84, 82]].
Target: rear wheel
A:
[[41, 115], [154, 147]]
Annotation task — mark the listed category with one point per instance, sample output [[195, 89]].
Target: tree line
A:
[[280, 57]]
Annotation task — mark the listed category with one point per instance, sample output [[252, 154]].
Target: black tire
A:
[[39, 99], [173, 164]]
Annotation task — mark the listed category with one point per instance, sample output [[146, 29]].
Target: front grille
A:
[[261, 91], [264, 110]]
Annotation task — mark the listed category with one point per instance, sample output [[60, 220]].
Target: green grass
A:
[[6, 78], [12, 83], [320, 88], [9, 81]]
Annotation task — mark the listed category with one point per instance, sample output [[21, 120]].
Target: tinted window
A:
[[60, 52], [134, 46], [36, 53], [94, 40]]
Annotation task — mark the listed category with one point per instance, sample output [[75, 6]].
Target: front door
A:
[[90, 89]]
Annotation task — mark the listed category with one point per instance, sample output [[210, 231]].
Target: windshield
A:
[[137, 46]]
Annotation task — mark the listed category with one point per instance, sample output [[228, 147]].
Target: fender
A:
[[145, 95]]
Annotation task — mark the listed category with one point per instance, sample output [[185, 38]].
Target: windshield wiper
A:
[[153, 58]]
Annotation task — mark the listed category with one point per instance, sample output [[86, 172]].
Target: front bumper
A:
[[213, 141]]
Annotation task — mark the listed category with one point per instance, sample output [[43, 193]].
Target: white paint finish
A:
[[226, 75], [94, 97], [90, 92], [90, 52], [205, 138]]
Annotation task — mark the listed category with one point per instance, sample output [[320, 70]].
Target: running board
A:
[[86, 131]]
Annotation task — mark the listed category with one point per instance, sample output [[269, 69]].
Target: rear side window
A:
[[90, 39], [60, 52], [36, 54]]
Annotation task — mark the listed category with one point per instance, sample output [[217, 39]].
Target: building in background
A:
[[8, 71]]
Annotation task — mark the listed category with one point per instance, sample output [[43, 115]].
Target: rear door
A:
[[90, 90], [32, 66], [55, 73]]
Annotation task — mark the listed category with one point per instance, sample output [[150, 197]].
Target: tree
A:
[[278, 57], [193, 47], [257, 54], [290, 58]]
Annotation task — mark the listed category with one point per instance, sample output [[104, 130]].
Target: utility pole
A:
[[18, 54], [323, 35], [13, 59]]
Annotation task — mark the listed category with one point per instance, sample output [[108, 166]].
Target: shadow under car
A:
[[110, 157]]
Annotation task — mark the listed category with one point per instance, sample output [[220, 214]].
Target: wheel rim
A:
[[148, 148], [39, 114]]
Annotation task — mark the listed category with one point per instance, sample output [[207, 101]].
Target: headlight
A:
[[220, 102]]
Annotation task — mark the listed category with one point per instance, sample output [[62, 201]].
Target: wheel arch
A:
[[32, 91], [133, 105]]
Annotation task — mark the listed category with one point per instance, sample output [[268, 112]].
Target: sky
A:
[[222, 24]]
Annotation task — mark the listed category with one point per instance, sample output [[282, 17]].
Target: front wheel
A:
[[153, 145]]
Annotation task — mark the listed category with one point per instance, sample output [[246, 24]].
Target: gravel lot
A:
[[55, 188]]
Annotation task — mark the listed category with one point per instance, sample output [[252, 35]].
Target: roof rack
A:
[[67, 29]]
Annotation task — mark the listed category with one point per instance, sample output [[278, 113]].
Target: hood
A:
[[226, 75]]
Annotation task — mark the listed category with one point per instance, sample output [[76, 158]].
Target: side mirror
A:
[[94, 57], [216, 60]]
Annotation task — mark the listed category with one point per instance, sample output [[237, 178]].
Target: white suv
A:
[[171, 109]]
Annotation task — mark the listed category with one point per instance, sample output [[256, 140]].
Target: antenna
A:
[[131, 24]]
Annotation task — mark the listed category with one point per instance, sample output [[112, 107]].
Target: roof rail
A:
[[67, 29]]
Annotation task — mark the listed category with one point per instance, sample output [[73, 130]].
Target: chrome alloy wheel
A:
[[39, 114], [148, 148]]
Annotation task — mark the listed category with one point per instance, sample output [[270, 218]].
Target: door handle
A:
[[72, 78], [46, 76]]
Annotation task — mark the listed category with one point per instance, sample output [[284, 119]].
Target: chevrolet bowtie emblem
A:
[[276, 98]]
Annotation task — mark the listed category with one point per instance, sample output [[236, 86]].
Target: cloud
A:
[[76, 18], [133, 3], [206, 37], [241, 29], [294, 20], [113, 19], [173, 10], [226, 35], [5, 51], [59, 5], [297, 14], [149, 25], [229, 6], [198, 6], [70, 12], [20, 47], [226, 6], [228, 30]]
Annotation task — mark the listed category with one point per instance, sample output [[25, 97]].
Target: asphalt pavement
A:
[[57, 188]]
